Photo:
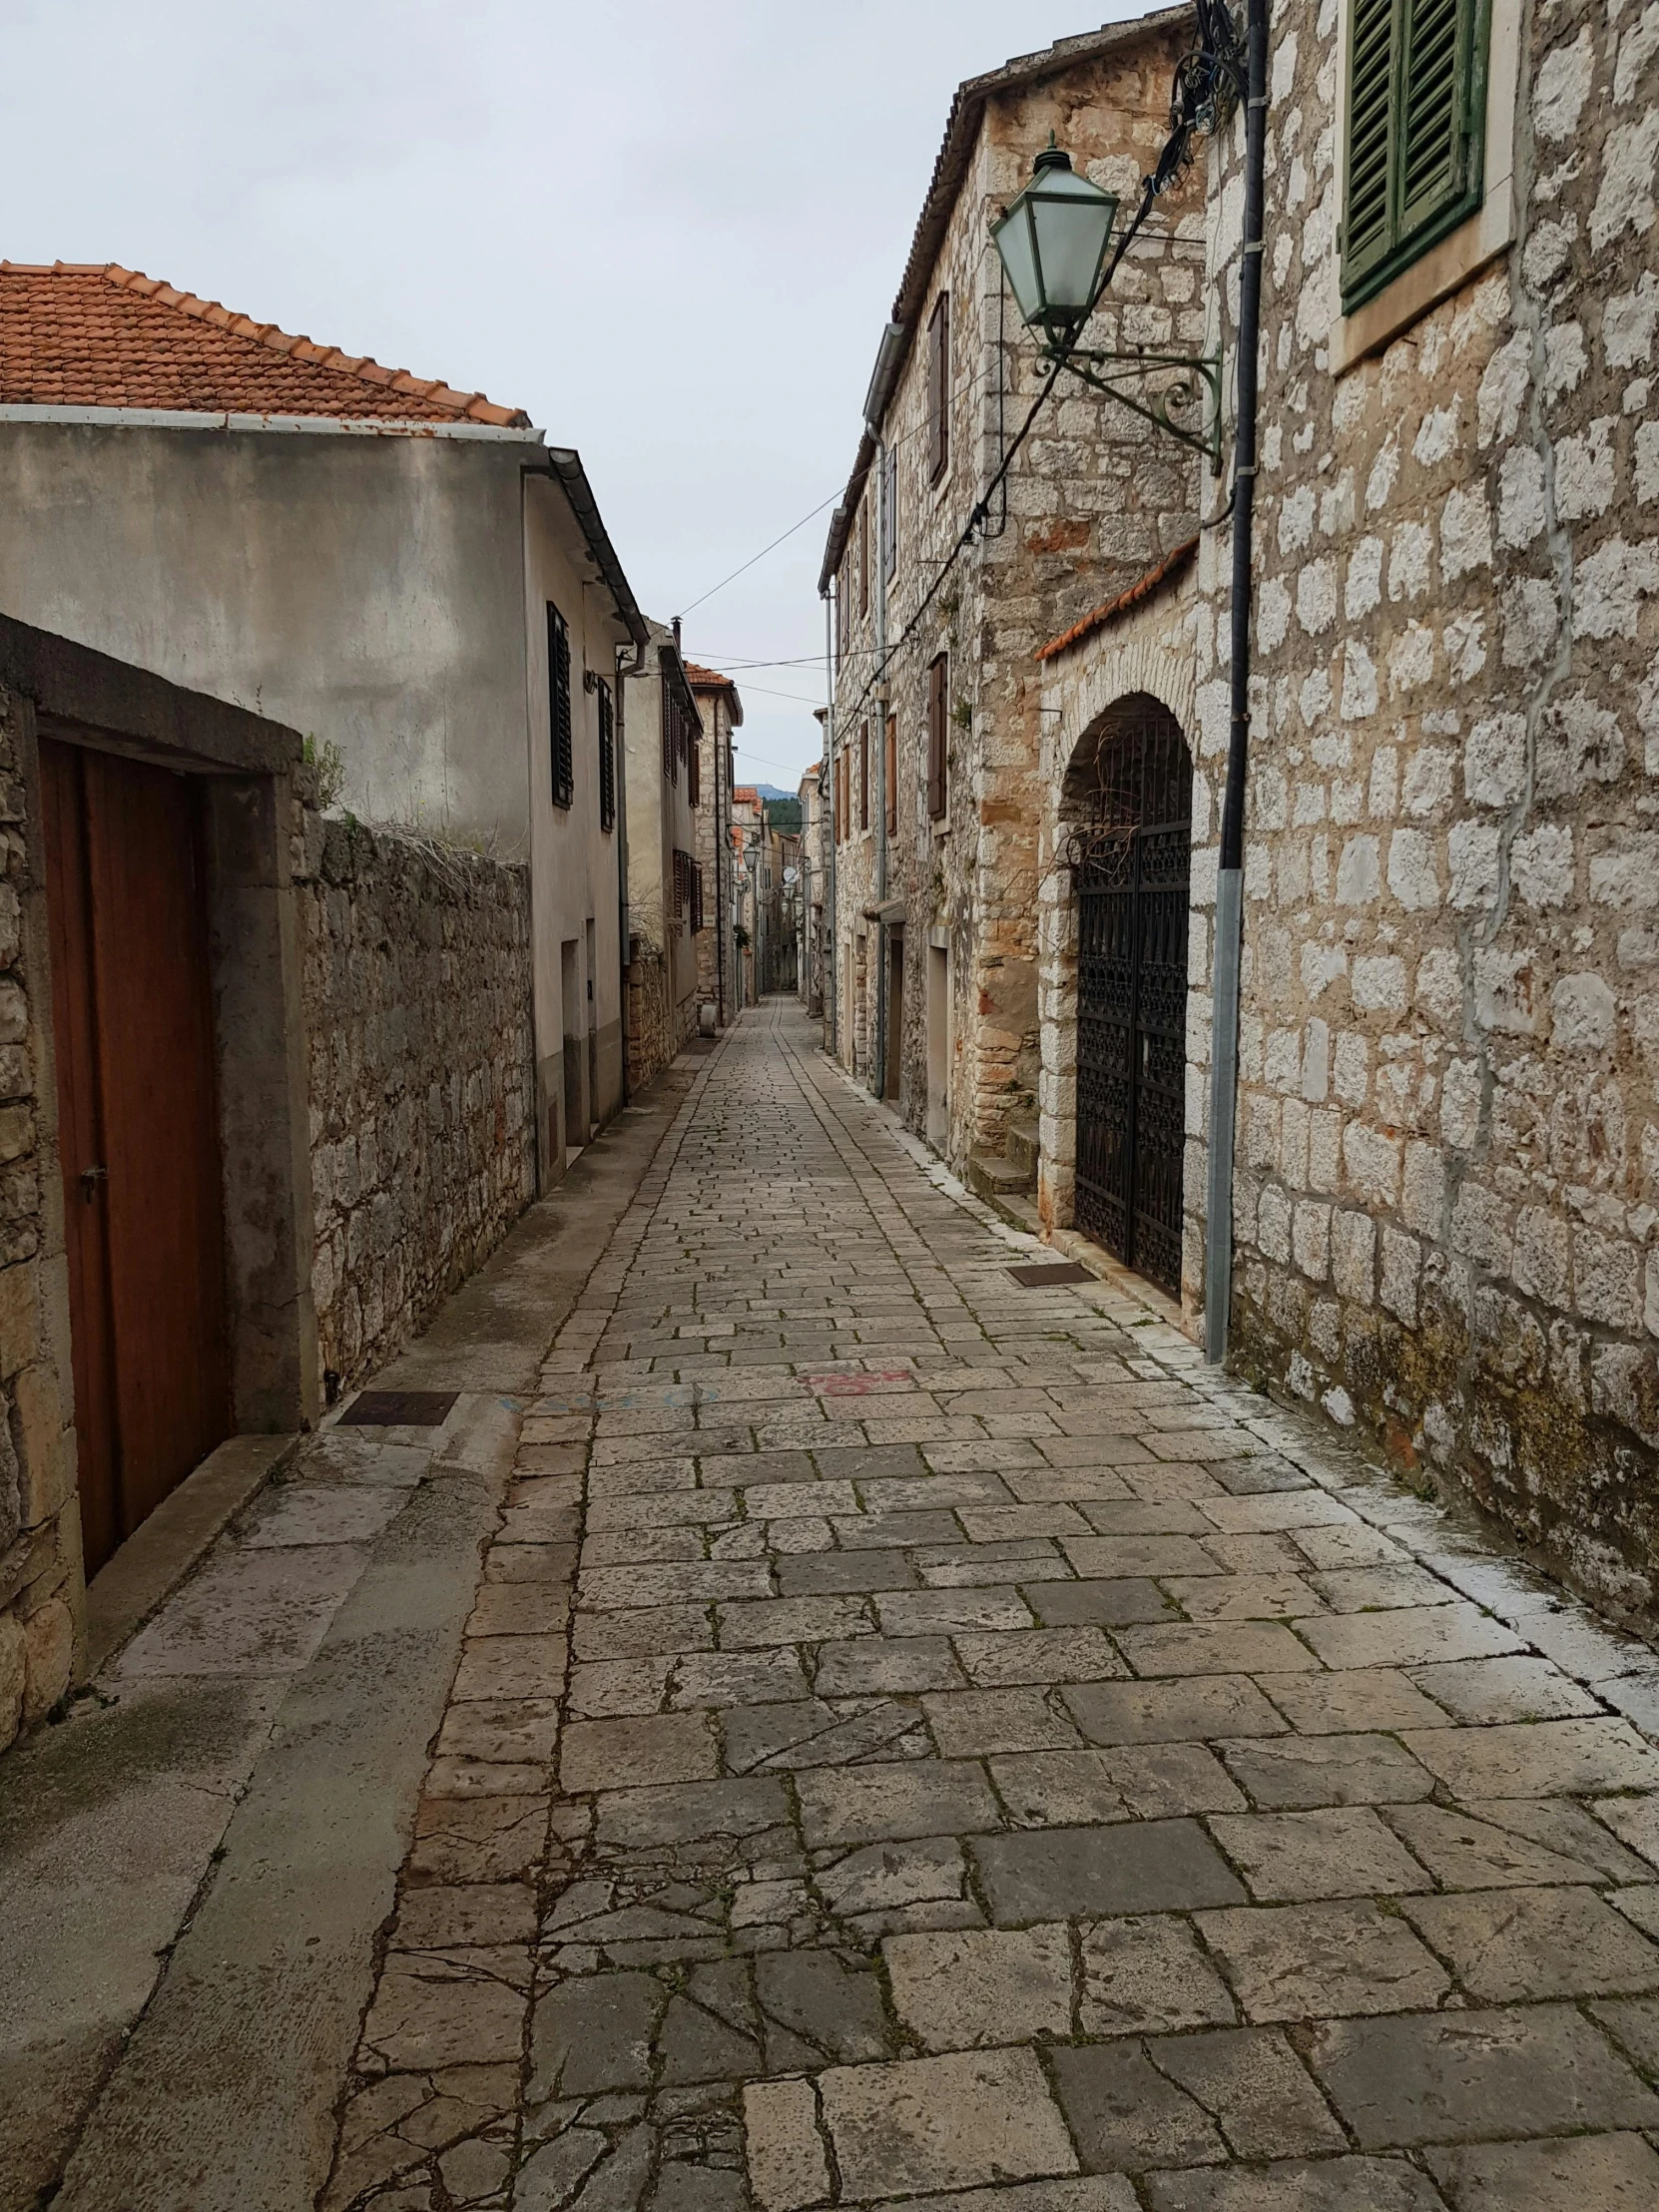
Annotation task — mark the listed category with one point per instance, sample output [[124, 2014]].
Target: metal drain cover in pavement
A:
[[399, 1409], [1062, 1271]]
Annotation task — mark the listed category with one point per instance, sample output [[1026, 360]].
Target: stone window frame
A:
[[1489, 231]]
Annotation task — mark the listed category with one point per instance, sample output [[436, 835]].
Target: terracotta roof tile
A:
[[706, 679], [1142, 588], [80, 335]]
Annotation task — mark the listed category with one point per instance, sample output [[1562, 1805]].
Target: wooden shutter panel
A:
[[1369, 232], [863, 776], [1433, 133], [558, 707], [938, 383], [939, 690], [890, 775]]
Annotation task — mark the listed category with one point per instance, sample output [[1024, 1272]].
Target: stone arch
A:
[[1139, 680]]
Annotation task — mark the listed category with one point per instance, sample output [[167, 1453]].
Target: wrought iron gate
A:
[[1132, 860]]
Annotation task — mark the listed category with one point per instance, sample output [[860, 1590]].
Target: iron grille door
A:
[[1133, 863]]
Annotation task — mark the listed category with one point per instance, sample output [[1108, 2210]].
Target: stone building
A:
[[748, 820], [670, 907], [721, 711], [941, 597], [810, 967], [1447, 1173], [410, 574]]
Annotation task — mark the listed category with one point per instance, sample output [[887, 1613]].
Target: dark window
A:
[[694, 765], [607, 758], [863, 558], [558, 706], [891, 759], [938, 734], [863, 776], [938, 385], [889, 514], [1415, 102], [697, 917], [671, 731]]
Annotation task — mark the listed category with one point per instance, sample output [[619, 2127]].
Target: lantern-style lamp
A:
[[1053, 242]]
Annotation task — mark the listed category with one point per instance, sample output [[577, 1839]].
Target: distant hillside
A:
[[784, 813], [771, 790]]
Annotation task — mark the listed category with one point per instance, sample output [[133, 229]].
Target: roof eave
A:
[[566, 464], [961, 130]]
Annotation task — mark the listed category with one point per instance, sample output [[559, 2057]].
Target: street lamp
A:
[[1053, 239]]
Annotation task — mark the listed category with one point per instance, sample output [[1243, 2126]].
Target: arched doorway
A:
[[1129, 798]]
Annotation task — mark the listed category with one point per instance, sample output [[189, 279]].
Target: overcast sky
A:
[[670, 231]]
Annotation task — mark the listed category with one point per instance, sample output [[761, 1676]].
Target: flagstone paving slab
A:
[[988, 1760]]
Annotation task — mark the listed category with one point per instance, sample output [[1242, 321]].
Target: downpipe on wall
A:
[[1228, 923]]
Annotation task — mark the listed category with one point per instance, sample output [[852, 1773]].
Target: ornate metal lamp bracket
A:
[[1109, 372]]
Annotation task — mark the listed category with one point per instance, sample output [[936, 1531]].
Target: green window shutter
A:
[[1417, 95], [1367, 236], [1433, 133]]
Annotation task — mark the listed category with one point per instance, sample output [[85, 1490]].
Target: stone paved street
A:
[[991, 1752]]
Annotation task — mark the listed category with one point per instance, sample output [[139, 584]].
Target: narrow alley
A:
[[994, 1752]]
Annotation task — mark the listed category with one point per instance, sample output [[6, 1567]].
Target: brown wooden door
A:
[[138, 1131]]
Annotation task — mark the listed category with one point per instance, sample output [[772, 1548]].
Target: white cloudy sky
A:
[[671, 232]]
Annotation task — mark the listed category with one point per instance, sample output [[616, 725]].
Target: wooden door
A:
[[138, 1131]]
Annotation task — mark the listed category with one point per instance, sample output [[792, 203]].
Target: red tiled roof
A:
[[100, 335], [709, 678], [1142, 588]]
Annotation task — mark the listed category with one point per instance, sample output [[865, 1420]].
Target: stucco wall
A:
[[662, 951], [364, 590], [421, 1076], [576, 863], [1447, 1208]]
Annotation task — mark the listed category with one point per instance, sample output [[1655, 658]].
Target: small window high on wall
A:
[[558, 707]]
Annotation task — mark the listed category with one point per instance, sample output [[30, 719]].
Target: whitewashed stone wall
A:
[[417, 998], [1447, 1208]]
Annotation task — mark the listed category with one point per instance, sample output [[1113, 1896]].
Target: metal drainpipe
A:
[[1224, 1043], [832, 950], [878, 1072]]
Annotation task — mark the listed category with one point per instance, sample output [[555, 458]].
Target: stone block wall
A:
[[418, 1001], [1447, 1208], [40, 1527], [1094, 498]]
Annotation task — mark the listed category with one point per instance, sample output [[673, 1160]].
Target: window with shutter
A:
[[607, 758], [938, 751], [863, 558], [889, 514], [938, 385], [1416, 107], [558, 707], [863, 776], [694, 767], [891, 759]]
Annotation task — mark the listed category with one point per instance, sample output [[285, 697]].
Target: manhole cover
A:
[[399, 1409], [1062, 1271]]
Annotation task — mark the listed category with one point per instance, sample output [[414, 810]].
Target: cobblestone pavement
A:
[[995, 1753]]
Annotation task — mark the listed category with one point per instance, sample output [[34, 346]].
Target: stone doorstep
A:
[[165, 1546]]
